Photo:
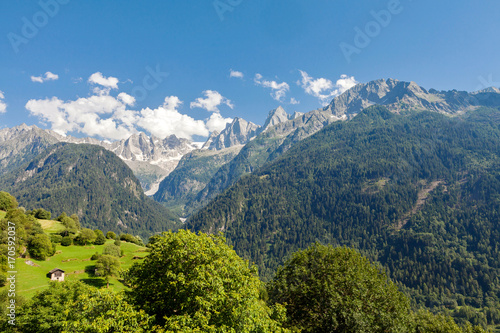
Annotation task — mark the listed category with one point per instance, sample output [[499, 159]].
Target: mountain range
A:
[[91, 182], [406, 175], [418, 192]]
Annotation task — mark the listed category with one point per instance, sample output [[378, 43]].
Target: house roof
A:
[[55, 270]]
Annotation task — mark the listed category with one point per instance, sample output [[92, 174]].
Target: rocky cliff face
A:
[[238, 132], [20, 144], [400, 96]]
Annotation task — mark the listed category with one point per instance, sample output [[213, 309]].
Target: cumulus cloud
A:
[[48, 76], [166, 120], [217, 123], [324, 89], [110, 117], [3, 105], [293, 101], [98, 115], [107, 82], [126, 98], [278, 89], [236, 74], [211, 101]]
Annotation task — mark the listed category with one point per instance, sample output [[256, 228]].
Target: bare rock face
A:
[[20, 144], [275, 117], [400, 96], [238, 132]]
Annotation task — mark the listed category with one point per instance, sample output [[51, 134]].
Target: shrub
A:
[[56, 239], [95, 256], [41, 214], [66, 241], [112, 250], [100, 240], [7, 201], [110, 235], [40, 247]]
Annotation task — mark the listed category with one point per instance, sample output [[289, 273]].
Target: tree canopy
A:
[[329, 289], [198, 283]]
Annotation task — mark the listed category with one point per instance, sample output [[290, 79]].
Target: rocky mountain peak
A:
[[238, 132], [400, 96], [275, 117], [488, 90], [210, 139]]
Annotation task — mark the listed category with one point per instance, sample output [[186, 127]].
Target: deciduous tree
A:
[[197, 283], [329, 289]]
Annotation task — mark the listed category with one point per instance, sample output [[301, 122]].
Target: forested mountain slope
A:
[[93, 183], [419, 192]]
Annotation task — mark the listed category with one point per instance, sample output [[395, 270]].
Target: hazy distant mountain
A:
[[93, 183], [191, 176], [150, 158], [238, 132], [20, 144], [398, 96]]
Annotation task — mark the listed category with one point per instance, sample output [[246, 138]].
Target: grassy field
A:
[[51, 226], [74, 260]]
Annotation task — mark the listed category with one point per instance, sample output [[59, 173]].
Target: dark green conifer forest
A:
[[418, 192]]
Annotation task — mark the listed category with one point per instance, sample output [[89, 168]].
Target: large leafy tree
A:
[[76, 307], [107, 266], [7, 201], [198, 283], [40, 247], [86, 236], [329, 289]]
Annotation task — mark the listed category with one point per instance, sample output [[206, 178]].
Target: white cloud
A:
[[48, 76], [278, 89], [107, 82], [126, 98], [108, 117], [217, 123], [211, 102], [324, 89], [98, 115], [3, 105], [293, 101], [236, 74], [166, 120]]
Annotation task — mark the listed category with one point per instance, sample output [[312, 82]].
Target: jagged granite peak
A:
[[20, 144], [210, 139], [487, 90], [297, 114], [140, 147], [238, 132], [150, 158], [275, 117], [400, 96]]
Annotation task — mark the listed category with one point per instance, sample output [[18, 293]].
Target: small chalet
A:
[[57, 274]]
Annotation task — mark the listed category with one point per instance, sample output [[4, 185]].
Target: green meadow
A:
[[32, 275]]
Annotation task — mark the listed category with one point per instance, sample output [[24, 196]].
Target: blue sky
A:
[[110, 68]]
